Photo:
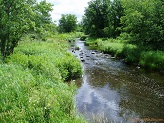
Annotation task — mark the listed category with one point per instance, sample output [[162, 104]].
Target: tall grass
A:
[[111, 47], [152, 59], [91, 41], [32, 84], [68, 36], [129, 52]]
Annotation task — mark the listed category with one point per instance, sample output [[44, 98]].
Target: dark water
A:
[[111, 91]]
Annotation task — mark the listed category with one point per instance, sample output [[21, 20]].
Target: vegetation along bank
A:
[[34, 62], [32, 83], [35, 65], [128, 29], [129, 53]]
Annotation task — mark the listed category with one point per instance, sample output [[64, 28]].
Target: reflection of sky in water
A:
[[98, 100], [116, 90]]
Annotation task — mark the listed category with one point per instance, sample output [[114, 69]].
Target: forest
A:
[[36, 69]]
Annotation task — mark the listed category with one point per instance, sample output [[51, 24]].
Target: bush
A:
[[77, 48], [124, 37], [29, 98], [134, 54], [69, 67], [83, 38], [152, 59], [131, 53]]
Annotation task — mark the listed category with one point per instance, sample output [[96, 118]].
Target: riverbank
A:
[[130, 53], [33, 87]]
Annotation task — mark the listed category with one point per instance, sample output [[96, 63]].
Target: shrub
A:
[[69, 67], [152, 59], [77, 48], [131, 53], [83, 38], [29, 98]]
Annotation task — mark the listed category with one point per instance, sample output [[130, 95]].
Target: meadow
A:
[[36, 83]]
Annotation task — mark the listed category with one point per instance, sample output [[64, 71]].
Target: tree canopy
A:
[[102, 18], [144, 22], [141, 20], [67, 23], [18, 17]]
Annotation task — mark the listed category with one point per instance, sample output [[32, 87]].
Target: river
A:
[[111, 91]]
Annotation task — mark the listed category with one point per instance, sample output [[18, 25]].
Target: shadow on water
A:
[[111, 91]]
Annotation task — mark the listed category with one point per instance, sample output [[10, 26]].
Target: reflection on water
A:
[[113, 91]]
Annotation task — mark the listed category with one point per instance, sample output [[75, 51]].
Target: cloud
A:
[[60, 7]]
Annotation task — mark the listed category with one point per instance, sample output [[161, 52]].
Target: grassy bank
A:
[[131, 53], [32, 84], [68, 36]]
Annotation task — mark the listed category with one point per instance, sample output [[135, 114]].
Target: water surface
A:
[[111, 91]]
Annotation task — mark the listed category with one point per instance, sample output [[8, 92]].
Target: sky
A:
[[60, 7]]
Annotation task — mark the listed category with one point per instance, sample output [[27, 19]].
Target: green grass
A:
[[152, 60], [68, 36], [32, 84], [91, 41], [131, 53], [111, 47]]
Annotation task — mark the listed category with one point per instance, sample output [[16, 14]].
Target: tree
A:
[[116, 11], [143, 20], [42, 19], [42, 15], [95, 17], [102, 18], [18, 17], [67, 23], [13, 23]]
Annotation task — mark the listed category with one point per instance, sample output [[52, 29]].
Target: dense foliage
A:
[[12, 26], [32, 84], [102, 18], [132, 30], [18, 17], [67, 23], [142, 21]]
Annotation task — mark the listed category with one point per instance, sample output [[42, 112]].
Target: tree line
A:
[[139, 21]]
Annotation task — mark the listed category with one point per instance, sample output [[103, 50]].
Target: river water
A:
[[111, 91]]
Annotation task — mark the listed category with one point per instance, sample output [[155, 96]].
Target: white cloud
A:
[[76, 7]]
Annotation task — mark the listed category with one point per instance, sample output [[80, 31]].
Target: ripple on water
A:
[[118, 92]]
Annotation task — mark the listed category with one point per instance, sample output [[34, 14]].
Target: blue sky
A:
[[76, 7]]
